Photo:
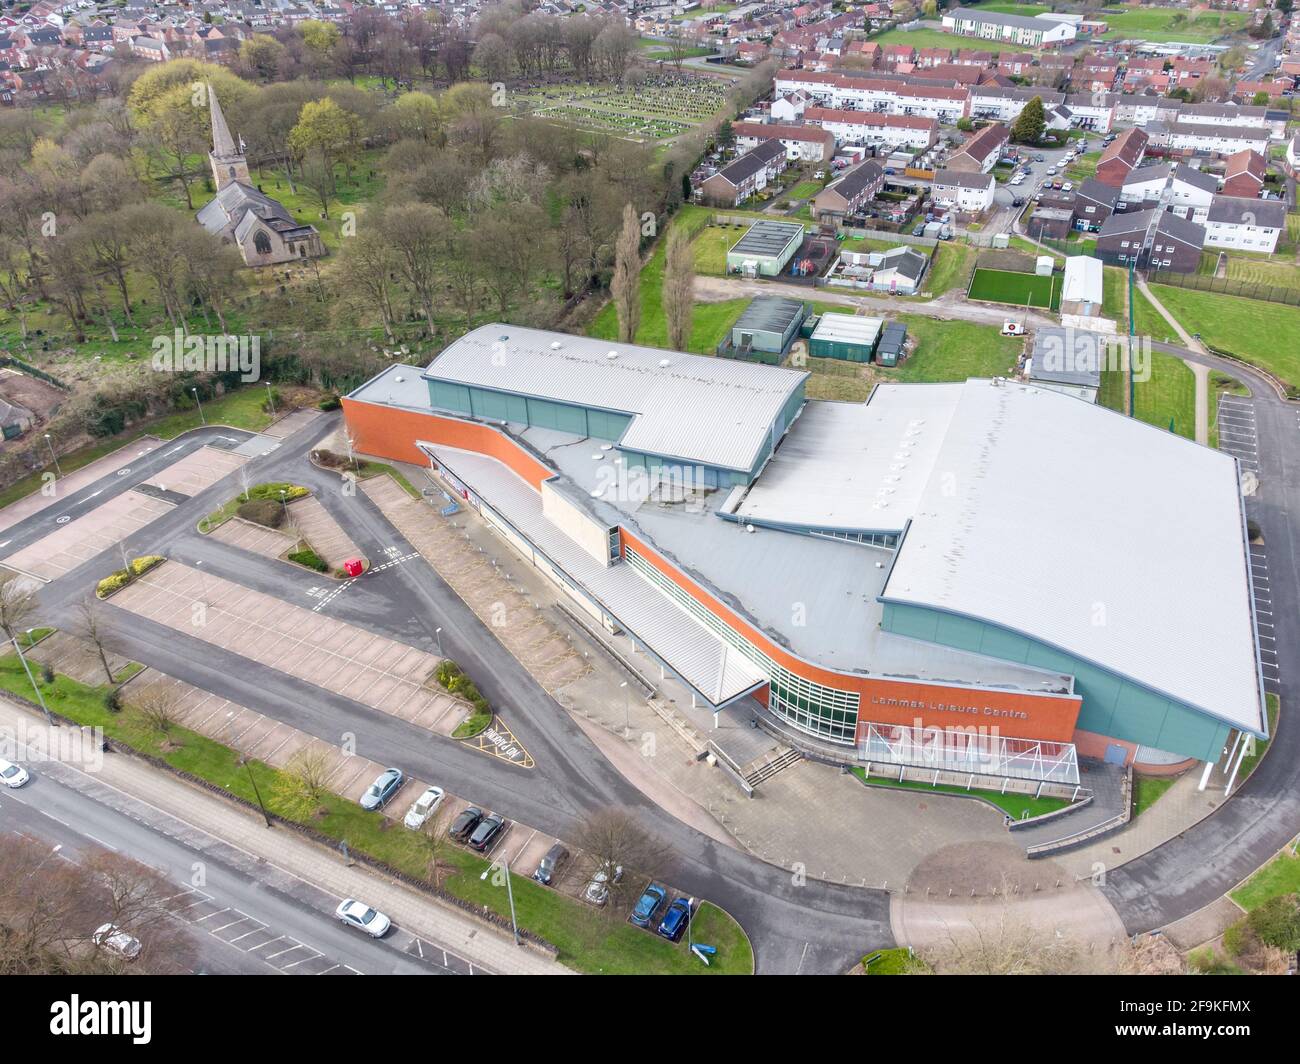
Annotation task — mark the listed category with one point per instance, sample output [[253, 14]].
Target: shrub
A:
[[47, 672], [113, 582], [1277, 922], [140, 566], [329, 459], [272, 403], [308, 558], [332, 403], [113, 700], [262, 512]]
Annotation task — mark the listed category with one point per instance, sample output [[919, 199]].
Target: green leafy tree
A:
[[326, 135], [1030, 124]]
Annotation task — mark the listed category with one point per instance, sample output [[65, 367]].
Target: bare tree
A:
[[133, 898], [626, 283], [435, 842], [301, 786], [17, 602], [159, 707], [679, 288], [612, 839], [93, 627]]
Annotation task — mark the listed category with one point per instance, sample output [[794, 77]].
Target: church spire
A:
[[223, 144]]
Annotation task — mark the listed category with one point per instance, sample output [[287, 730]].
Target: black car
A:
[[465, 824], [1018, 202], [551, 864], [486, 832]]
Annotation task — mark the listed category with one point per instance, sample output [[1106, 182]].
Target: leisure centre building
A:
[[986, 576]]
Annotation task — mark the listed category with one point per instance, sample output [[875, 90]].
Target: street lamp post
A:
[[270, 398], [690, 918], [198, 401], [437, 634], [40, 697], [53, 457], [510, 893], [257, 792], [285, 505], [627, 709]]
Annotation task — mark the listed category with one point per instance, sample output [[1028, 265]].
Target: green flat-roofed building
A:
[[765, 249], [845, 336]]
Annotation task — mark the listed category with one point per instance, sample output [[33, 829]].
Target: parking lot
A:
[[78, 540], [371, 669], [196, 471]]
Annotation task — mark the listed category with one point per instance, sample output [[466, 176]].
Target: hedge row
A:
[[454, 681], [118, 579]]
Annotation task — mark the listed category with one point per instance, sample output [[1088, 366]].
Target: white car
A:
[[361, 916], [1051, 171], [423, 808], [597, 891], [12, 775], [1068, 186], [1012, 328], [118, 942]]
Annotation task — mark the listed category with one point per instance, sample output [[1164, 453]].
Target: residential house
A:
[[800, 141], [1025, 30], [1154, 238], [1243, 224], [742, 178], [864, 127], [981, 150], [1122, 156], [968, 191], [1244, 175], [849, 194]]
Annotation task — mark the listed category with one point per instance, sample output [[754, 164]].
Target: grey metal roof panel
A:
[[711, 411], [1147, 523]]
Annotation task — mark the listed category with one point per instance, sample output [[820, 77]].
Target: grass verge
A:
[[588, 940], [1016, 806]]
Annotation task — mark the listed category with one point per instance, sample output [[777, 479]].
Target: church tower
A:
[[227, 159]]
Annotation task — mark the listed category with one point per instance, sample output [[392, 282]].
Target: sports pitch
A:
[[1022, 289]]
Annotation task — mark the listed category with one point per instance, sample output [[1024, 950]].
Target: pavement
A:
[[257, 900]]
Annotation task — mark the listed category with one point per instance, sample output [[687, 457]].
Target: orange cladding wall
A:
[[386, 432], [1014, 713]]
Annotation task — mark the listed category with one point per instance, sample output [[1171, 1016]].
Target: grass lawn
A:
[[1168, 399], [1221, 384], [711, 320], [1084, 166], [805, 190], [268, 490], [586, 939], [1114, 297], [1280, 876], [1162, 24], [949, 269], [897, 961], [1147, 791], [1247, 328], [1016, 806], [1147, 321], [953, 351], [1021, 289]]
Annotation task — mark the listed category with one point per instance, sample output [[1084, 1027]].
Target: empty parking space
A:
[[317, 527], [74, 657], [291, 423], [373, 670], [1237, 433], [117, 462], [78, 540], [252, 537], [197, 471]]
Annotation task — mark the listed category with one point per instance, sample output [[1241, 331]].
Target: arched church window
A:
[[262, 243]]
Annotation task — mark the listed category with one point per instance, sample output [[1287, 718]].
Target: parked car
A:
[[554, 860], [597, 891], [1040, 158], [12, 775], [1018, 201], [675, 919], [361, 916], [1051, 171], [116, 941], [465, 823], [382, 790], [486, 832], [423, 808], [1012, 328], [648, 905], [1068, 186]]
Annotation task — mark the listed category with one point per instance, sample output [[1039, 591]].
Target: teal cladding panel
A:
[[1112, 705]]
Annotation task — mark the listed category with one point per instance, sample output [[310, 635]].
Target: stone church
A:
[[264, 231]]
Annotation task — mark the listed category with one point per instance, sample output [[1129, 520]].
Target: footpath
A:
[[284, 849]]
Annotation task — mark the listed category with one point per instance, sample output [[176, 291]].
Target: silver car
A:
[[423, 808], [361, 916], [12, 775], [382, 790], [597, 891]]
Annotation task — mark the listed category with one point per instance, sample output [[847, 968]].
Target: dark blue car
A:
[[647, 905], [675, 919]]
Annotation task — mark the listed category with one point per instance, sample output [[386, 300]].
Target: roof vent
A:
[[750, 529], [612, 355], [398, 379], [664, 363], [596, 493], [555, 345]]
